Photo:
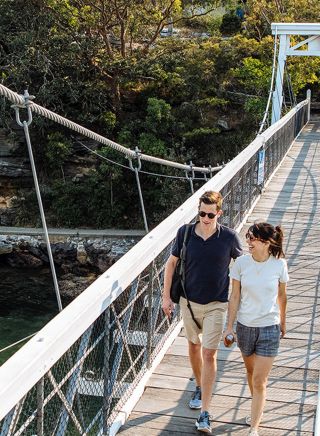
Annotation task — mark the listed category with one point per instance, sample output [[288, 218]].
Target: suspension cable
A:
[[293, 99], [25, 125], [19, 101], [18, 342], [266, 113], [136, 170], [169, 176]]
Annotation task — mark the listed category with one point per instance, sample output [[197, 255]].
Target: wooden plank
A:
[[145, 424], [238, 391], [179, 348], [171, 402], [234, 372], [293, 359]]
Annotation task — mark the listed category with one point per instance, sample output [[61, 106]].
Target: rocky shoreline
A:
[[79, 260]]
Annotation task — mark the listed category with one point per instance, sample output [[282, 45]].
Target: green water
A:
[[27, 303]]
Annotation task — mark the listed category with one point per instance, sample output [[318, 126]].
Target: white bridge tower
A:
[[291, 45]]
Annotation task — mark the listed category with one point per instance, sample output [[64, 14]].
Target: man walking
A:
[[210, 248]]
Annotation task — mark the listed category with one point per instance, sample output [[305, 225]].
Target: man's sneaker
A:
[[195, 402], [253, 432], [203, 422]]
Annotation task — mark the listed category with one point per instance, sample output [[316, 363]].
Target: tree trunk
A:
[[116, 95]]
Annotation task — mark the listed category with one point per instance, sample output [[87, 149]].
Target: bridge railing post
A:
[[309, 103]]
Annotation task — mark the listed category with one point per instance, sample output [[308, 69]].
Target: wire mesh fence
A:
[[84, 390]]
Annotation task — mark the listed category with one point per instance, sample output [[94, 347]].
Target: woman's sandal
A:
[[248, 419]]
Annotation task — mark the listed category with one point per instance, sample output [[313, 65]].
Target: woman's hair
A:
[[211, 197], [268, 233]]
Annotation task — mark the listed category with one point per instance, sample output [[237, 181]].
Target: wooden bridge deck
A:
[[290, 199]]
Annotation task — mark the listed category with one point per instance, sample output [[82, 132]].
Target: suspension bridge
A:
[[110, 361]]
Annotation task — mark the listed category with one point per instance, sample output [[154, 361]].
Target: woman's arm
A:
[[282, 301], [233, 306], [167, 304]]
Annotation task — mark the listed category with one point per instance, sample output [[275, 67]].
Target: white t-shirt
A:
[[259, 289]]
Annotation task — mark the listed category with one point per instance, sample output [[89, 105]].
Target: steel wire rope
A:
[[292, 96], [19, 101], [16, 343], [141, 171], [266, 112], [25, 125], [278, 97]]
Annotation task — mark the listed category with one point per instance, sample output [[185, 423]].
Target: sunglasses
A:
[[251, 237], [210, 214]]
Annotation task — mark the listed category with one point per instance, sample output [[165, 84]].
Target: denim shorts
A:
[[263, 341]]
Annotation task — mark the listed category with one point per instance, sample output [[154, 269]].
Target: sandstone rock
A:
[[76, 256], [5, 247], [82, 256], [11, 167], [72, 286], [223, 124], [23, 260], [63, 251]]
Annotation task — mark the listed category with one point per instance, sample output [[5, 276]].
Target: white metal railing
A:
[[67, 340]]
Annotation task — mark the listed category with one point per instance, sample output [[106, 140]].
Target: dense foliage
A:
[[197, 95]]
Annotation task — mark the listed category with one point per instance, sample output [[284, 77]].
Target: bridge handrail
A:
[[26, 367]]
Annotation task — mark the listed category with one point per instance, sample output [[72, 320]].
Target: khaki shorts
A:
[[211, 318]]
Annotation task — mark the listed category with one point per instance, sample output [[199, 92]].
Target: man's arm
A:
[[236, 250], [282, 301], [233, 306], [167, 304]]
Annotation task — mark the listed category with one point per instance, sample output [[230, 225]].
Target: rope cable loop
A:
[[25, 105], [205, 176], [138, 158], [210, 169], [191, 171]]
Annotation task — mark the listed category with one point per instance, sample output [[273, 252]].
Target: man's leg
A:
[[195, 361], [213, 324], [208, 376]]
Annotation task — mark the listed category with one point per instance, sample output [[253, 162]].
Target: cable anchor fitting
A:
[[190, 172], [138, 159], [191, 176], [26, 105]]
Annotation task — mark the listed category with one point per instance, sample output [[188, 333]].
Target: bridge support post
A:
[[277, 97], [309, 102]]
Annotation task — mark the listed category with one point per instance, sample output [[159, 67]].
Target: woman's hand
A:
[[283, 329], [228, 331]]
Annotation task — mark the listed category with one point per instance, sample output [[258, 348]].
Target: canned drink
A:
[[229, 340]]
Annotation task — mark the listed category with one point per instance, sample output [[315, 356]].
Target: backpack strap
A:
[[182, 271]]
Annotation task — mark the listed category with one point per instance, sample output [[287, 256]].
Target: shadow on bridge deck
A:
[[291, 198]]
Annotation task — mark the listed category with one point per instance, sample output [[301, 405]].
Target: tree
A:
[[261, 13]]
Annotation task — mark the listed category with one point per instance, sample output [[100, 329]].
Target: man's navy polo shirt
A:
[[207, 263]]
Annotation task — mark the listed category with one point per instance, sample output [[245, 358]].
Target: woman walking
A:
[[258, 300]]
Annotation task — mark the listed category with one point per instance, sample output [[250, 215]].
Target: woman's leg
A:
[[261, 370], [249, 363]]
